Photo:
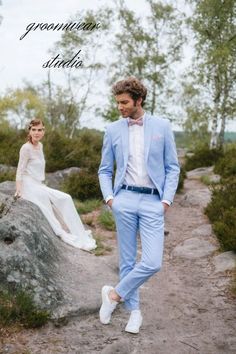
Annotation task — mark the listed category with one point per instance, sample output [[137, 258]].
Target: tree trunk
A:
[[223, 111], [214, 135], [153, 105]]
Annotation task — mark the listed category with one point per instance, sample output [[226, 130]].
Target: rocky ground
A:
[[187, 307]]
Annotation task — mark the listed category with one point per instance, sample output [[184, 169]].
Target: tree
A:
[[21, 105], [147, 47], [214, 26], [83, 82]]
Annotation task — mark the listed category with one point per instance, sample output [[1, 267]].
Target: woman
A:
[[57, 206]]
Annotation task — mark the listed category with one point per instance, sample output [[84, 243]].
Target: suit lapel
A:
[[147, 135]]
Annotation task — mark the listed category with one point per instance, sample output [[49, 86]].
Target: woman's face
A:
[[36, 132]]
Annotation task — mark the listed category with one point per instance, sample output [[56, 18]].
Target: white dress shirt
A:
[[136, 172]]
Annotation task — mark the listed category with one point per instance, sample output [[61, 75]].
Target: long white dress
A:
[[58, 207]]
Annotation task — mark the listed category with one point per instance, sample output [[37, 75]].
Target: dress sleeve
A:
[[23, 160]]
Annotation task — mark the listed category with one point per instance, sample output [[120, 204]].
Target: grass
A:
[[106, 220], [206, 180], [101, 247], [20, 308], [87, 206]]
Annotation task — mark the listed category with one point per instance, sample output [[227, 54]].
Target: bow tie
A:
[[135, 121]]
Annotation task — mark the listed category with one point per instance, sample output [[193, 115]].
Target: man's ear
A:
[[139, 101]]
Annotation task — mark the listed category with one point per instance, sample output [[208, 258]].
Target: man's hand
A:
[[166, 206], [110, 203]]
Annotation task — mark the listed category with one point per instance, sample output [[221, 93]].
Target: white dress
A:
[[58, 207]]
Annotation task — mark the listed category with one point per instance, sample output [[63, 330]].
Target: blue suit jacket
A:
[[160, 156]]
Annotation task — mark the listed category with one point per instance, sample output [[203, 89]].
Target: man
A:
[[147, 173]]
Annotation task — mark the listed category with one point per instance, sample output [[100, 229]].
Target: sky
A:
[[22, 59]]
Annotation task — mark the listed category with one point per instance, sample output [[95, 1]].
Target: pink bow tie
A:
[[135, 121]]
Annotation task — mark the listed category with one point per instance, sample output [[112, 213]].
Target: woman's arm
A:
[[23, 160]]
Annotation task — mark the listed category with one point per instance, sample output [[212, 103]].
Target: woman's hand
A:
[[18, 189], [17, 194]]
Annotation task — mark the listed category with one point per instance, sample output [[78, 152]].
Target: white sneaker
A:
[[135, 322], [107, 306]]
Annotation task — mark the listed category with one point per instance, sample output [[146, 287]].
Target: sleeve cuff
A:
[[109, 197], [166, 201]]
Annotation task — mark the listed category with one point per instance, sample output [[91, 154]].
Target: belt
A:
[[145, 190]]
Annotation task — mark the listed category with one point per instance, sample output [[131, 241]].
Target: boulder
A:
[[203, 230], [55, 179], [28, 255], [6, 168], [196, 198], [197, 173], [194, 248], [224, 261], [62, 279]]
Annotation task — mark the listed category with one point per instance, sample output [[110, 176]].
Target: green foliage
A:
[[213, 24], [106, 219], [226, 165], [101, 248], [221, 212], [87, 206], [10, 143], [56, 148], [86, 149], [206, 180], [83, 185], [19, 307], [182, 177], [7, 176], [152, 44], [22, 104], [202, 156]]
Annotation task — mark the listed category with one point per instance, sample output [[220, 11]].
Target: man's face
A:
[[127, 106]]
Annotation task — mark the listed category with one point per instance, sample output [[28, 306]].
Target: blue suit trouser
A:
[[135, 212]]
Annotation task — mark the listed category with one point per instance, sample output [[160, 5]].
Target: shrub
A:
[[101, 248], [182, 177], [86, 149], [202, 156], [19, 307], [221, 212], [56, 149], [87, 206], [11, 141], [225, 230], [7, 176], [83, 185], [106, 219], [226, 165]]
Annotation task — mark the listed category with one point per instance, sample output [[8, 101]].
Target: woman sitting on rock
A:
[[57, 206]]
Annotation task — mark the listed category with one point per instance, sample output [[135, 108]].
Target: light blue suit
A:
[[134, 211]]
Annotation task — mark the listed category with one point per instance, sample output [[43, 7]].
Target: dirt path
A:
[[187, 307]]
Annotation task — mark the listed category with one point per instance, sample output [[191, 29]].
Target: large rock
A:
[[62, 279], [203, 230], [28, 255], [196, 198], [194, 248], [224, 261], [197, 173], [6, 168], [55, 179]]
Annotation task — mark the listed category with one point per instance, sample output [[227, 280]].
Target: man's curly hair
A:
[[133, 87]]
